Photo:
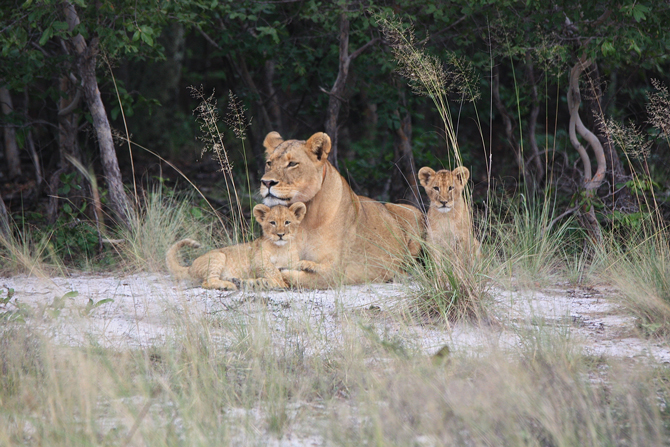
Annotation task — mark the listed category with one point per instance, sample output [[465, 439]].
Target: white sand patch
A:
[[145, 307]]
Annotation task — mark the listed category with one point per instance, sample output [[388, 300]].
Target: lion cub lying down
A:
[[254, 264], [448, 218]]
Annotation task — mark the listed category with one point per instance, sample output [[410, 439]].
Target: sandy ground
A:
[[143, 310]]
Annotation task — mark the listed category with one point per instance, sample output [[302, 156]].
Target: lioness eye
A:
[[268, 163], [436, 188], [292, 163], [272, 222], [450, 188], [287, 222]]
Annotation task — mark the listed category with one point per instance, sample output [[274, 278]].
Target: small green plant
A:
[[91, 305], [54, 309], [17, 314]]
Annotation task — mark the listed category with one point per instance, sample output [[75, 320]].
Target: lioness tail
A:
[[176, 269]]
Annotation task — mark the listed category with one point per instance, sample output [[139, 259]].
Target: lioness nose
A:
[[269, 183], [281, 235]]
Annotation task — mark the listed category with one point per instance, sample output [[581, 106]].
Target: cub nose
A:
[[269, 183], [443, 202], [281, 235]]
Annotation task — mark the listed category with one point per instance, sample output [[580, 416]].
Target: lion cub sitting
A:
[[255, 264], [448, 218]]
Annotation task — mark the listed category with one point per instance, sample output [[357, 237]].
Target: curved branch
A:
[[73, 104], [574, 99]]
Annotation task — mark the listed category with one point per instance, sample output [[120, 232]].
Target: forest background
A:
[[102, 105]]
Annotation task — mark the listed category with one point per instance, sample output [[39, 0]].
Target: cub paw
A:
[[255, 284], [308, 266], [219, 284]]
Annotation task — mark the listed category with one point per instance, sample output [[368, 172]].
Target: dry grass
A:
[[237, 380], [639, 265], [159, 222]]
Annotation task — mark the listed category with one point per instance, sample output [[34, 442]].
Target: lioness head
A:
[[280, 223], [444, 187], [294, 170]]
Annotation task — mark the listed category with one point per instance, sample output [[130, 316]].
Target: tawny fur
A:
[[449, 225], [344, 238], [255, 264]]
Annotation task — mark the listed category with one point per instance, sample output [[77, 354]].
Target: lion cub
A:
[[448, 218], [255, 263]]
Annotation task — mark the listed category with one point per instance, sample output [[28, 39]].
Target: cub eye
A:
[[450, 188], [273, 223], [287, 222], [268, 163], [436, 188], [292, 164]]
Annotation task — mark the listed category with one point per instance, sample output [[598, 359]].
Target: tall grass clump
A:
[[451, 285], [25, 251], [638, 251], [530, 241], [160, 220], [640, 268]]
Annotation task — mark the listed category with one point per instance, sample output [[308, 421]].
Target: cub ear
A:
[[299, 210], [319, 146], [462, 174], [425, 174], [272, 140], [261, 212]]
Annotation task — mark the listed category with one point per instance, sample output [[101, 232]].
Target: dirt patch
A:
[[139, 310]]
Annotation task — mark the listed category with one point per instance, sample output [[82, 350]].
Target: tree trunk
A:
[[67, 142], [336, 93], [532, 122], [30, 143], [4, 219], [86, 61], [404, 185], [11, 147], [509, 123], [273, 99], [591, 184], [263, 127]]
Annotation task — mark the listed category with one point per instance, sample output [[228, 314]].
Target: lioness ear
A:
[[272, 140], [462, 174], [425, 174], [260, 212], [299, 210], [319, 146]]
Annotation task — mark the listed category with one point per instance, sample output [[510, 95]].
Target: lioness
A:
[[344, 238], [260, 259], [448, 218]]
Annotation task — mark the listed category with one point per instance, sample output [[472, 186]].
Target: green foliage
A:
[[91, 305]]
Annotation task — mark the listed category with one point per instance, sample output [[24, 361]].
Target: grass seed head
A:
[[658, 108]]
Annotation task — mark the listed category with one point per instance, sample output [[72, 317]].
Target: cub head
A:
[[444, 188], [294, 169], [280, 223]]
